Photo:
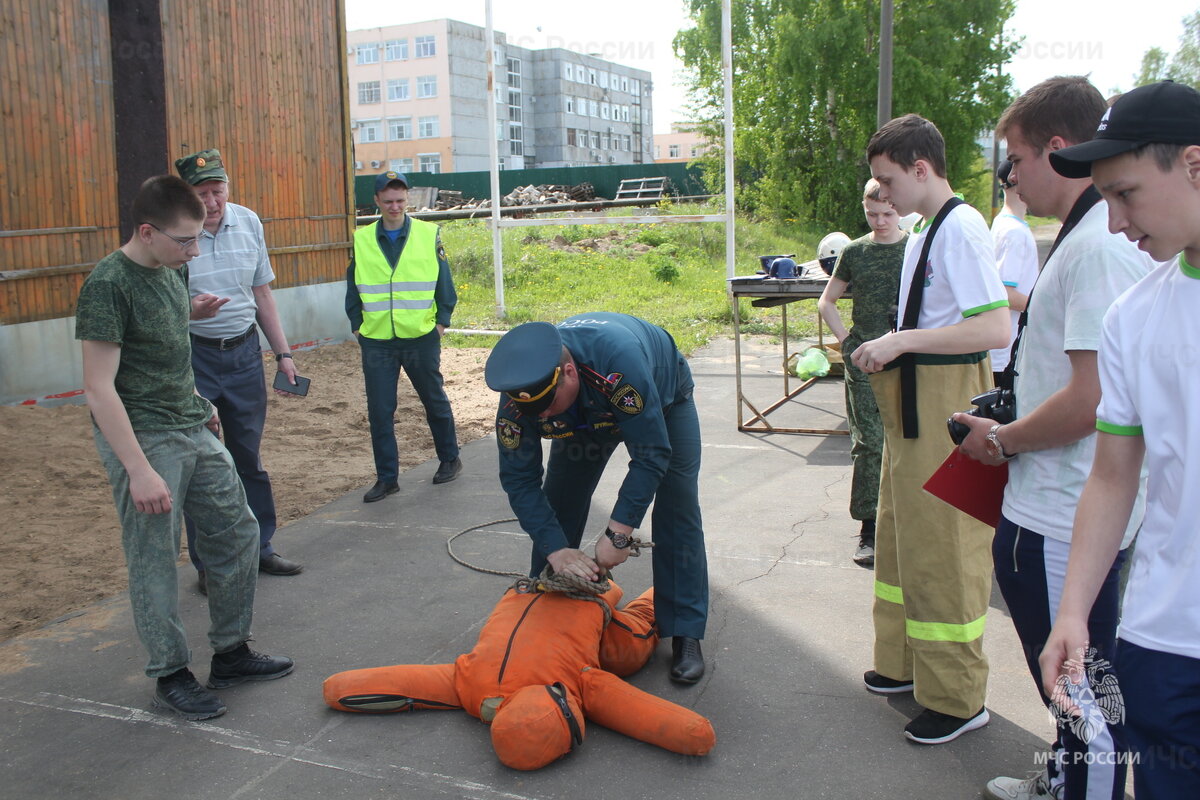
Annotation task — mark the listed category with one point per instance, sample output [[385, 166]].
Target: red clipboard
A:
[[970, 486]]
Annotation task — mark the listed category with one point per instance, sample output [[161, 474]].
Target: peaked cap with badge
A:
[[206, 165]]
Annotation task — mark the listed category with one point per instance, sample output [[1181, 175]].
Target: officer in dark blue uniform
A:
[[595, 381]]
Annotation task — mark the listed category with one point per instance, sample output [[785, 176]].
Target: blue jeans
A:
[[421, 360], [204, 485], [232, 380]]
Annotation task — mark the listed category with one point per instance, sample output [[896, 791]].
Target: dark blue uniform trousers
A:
[[680, 565], [1162, 706], [421, 359], [232, 380]]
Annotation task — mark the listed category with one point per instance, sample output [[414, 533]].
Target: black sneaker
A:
[[243, 664], [881, 684], [181, 693], [447, 471], [934, 727]]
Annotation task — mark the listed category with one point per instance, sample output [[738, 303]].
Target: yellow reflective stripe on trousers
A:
[[944, 631], [892, 594]]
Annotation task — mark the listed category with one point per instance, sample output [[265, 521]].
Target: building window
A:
[[430, 162], [399, 129], [596, 139], [636, 86], [368, 93], [592, 77], [497, 56], [569, 72], [593, 108], [400, 165], [603, 80], [427, 86], [604, 143], [514, 73], [514, 106], [366, 53], [624, 113], [368, 131], [605, 113], [425, 47], [570, 104], [628, 142], [673, 151], [395, 50], [397, 89], [624, 84], [571, 140], [516, 148], [427, 127], [636, 116], [499, 131]]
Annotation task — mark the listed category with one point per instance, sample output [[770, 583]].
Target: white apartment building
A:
[[418, 95]]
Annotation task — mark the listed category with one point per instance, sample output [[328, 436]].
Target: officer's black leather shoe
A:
[[379, 491], [243, 664], [687, 662], [276, 564], [447, 471], [181, 693]]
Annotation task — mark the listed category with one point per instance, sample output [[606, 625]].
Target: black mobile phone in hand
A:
[[284, 385]]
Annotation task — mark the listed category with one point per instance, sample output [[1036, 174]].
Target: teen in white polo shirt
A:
[[1145, 160]]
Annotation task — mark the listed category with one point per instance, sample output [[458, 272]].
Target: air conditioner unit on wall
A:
[[612, 159], [374, 165]]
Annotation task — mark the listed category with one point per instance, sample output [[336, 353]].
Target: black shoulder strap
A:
[[912, 315], [1083, 204]]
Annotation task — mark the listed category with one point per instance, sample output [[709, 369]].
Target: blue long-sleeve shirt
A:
[[630, 373], [445, 296]]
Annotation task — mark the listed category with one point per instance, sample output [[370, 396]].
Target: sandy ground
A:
[[60, 542]]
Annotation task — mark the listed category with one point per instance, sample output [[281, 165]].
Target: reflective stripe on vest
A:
[[397, 303]]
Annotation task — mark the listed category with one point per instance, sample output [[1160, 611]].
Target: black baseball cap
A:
[[1165, 112], [524, 365]]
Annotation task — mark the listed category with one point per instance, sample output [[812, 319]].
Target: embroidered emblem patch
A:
[[627, 399], [509, 433], [614, 378], [441, 252]]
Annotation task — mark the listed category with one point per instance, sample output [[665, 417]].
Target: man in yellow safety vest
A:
[[399, 298]]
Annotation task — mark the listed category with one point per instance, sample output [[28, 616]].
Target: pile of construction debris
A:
[[428, 198]]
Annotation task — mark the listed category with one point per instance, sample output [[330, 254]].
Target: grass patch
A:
[[672, 274]]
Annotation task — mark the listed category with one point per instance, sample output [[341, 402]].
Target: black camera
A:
[[999, 405]]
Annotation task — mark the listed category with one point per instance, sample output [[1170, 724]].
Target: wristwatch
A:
[[994, 448], [282, 356], [620, 541]]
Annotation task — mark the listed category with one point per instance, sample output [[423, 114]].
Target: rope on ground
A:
[[549, 581]]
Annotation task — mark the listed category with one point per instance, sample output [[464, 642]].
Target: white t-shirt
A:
[[1088, 271], [961, 278], [1149, 368], [230, 265], [1017, 259]]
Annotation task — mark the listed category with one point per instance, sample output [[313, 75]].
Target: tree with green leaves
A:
[[1184, 66], [805, 82]]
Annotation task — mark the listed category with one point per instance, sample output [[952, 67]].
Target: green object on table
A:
[[812, 363]]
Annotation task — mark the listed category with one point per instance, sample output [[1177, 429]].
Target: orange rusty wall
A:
[[263, 82], [58, 211]]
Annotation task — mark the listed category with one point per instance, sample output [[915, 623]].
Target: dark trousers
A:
[[1162, 706], [232, 380], [1031, 570], [421, 360], [679, 562]]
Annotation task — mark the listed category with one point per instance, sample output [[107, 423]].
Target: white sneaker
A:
[[1031, 788]]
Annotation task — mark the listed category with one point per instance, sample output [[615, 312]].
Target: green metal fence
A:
[[685, 178]]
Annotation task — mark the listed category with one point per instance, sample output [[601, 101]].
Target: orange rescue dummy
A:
[[543, 662]]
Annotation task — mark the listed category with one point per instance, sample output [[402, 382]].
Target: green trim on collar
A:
[[1187, 269]]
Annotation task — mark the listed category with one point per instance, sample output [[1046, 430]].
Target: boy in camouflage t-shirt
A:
[[155, 438], [872, 263]]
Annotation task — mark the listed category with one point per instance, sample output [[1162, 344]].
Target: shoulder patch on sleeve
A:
[[441, 252], [508, 433], [627, 400]]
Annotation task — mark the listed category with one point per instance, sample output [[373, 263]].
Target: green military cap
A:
[[207, 165], [524, 365]]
